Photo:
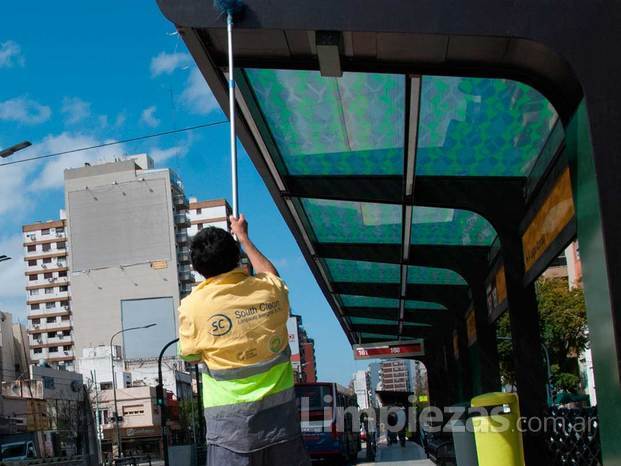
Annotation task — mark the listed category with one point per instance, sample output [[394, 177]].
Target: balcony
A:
[[186, 276], [182, 220], [179, 200], [182, 237]]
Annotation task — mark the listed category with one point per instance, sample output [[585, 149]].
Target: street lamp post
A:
[[117, 430], [11, 150]]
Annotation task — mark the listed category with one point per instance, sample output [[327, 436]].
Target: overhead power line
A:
[[112, 143]]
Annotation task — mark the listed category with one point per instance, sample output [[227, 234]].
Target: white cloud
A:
[[12, 279], [166, 63], [52, 174], [159, 154], [13, 189], [120, 120], [24, 110], [197, 96], [75, 109], [148, 117], [10, 54]]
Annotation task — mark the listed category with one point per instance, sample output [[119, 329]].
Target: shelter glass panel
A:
[[433, 276], [361, 271], [353, 222], [454, 227], [413, 304], [333, 126], [480, 127], [367, 301]]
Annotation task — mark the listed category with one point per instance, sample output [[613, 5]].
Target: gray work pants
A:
[[291, 453]]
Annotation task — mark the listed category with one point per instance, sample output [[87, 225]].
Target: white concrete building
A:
[[48, 297], [128, 254], [362, 388], [202, 214], [95, 366]]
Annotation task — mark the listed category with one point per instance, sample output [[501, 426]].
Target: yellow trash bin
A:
[[496, 434]]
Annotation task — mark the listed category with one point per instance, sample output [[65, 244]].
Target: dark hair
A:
[[214, 251]]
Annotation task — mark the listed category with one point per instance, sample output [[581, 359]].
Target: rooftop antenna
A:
[[233, 10]]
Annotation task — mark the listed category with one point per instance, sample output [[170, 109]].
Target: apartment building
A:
[[395, 375], [302, 351], [48, 297], [202, 214], [128, 254]]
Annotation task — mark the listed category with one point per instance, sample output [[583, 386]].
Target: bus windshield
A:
[[313, 397], [14, 450]]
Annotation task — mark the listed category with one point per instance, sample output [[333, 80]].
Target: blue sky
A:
[[77, 73]]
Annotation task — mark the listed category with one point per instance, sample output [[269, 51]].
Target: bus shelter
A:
[[431, 161]]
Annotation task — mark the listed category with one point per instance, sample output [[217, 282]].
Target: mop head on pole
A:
[[234, 8]]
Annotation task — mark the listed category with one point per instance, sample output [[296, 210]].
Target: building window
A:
[[50, 320], [63, 288], [33, 277], [53, 349], [51, 305], [51, 334], [34, 292], [49, 290], [48, 275], [105, 386], [134, 410], [48, 382], [199, 226], [67, 348], [66, 333], [32, 248], [199, 211], [36, 321], [60, 230], [45, 231], [64, 303], [34, 307], [32, 262], [47, 260], [46, 247], [62, 274], [61, 245], [64, 318], [38, 351]]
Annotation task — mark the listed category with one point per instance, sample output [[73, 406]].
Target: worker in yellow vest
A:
[[236, 325]]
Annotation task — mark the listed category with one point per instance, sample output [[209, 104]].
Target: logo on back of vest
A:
[[247, 354], [275, 344], [219, 325]]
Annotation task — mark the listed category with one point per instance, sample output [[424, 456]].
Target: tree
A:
[[562, 321]]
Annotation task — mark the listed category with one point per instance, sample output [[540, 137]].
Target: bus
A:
[[323, 412]]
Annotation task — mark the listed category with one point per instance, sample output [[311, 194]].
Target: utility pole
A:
[[97, 416], [117, 428], [161, 401]]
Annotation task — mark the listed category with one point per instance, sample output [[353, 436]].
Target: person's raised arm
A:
[[260, 263]]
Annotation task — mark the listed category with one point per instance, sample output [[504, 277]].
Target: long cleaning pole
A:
[[229, 30]]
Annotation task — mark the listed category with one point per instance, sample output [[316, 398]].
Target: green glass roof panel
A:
[[342, 270], [367, 301], [371, 321], [480, 127], [454, 227], [433, 276], [353, 222], [413, 304], [333, 126]]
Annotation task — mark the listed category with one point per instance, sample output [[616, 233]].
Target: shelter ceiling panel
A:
[[480, 127], [333, 126]]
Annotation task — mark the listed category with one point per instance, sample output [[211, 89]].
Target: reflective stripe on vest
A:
[[247, 389]]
